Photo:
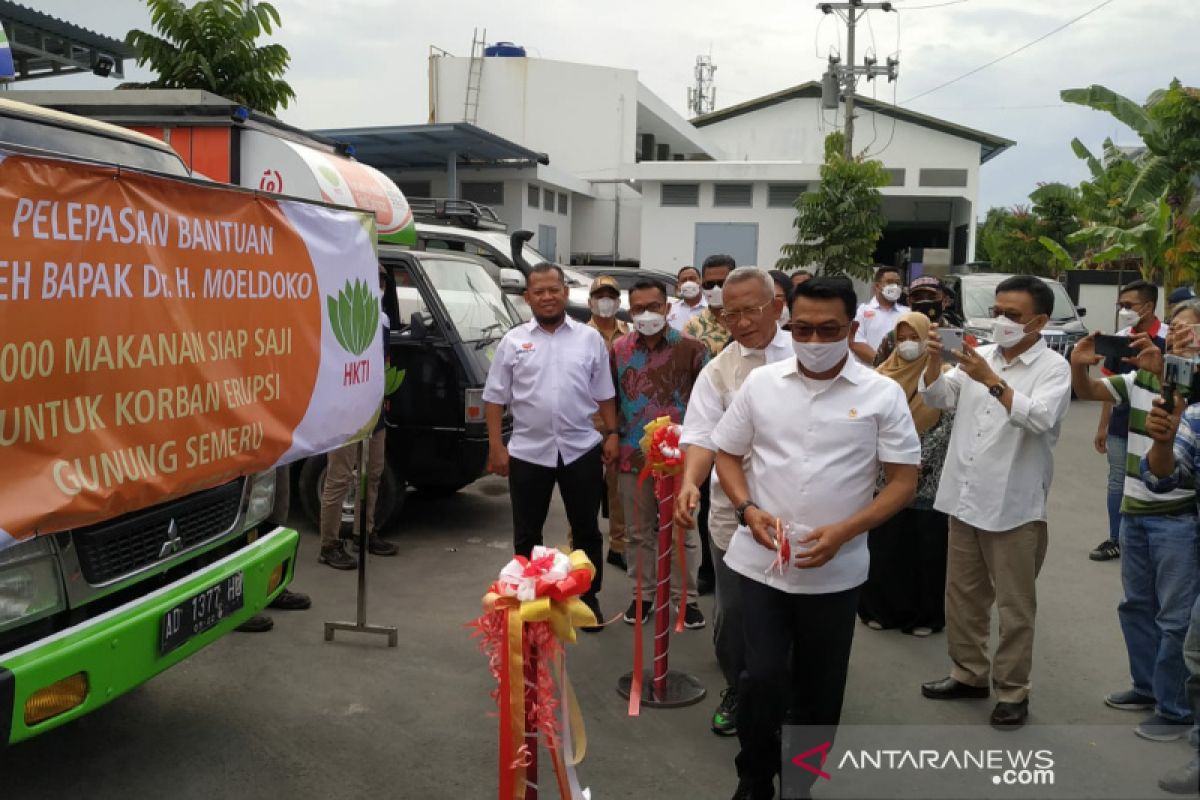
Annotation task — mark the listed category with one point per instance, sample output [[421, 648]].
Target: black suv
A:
[[448, 315]]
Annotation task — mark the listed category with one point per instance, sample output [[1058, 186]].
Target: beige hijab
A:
[[908, 373]]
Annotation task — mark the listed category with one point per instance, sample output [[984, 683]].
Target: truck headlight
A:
[[30, 583], [262, 497]]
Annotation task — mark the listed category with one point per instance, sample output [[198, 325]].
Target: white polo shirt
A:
[[553, 383], [680, 312], [815, 450], [875, 322]]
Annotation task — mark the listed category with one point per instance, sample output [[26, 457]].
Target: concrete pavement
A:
[[285, 714]]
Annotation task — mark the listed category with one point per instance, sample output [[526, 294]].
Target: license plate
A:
[[199, 613]]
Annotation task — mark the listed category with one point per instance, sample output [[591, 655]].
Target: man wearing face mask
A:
[[816, 428], [654, 368], [878, 317], [1135, 314], [690, 301], [707, 326], [927, 296], [1010, 398], [605, 302]]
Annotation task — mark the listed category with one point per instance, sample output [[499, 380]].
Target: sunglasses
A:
[[825, 332], [713, 284]]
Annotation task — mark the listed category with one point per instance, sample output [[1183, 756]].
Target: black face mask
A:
[[930, 308]]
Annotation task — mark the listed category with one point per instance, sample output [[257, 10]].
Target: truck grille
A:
[[118, 547], [1060, 343]]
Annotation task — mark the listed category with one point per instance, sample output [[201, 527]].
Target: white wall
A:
[[593, 222]]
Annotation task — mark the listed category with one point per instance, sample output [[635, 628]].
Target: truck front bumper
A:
[[119, 649]]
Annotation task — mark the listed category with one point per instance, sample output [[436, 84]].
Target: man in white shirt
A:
[[751, 313], [690, 301], [1011, 398], [816, 429], [878, 317], [553, 373]]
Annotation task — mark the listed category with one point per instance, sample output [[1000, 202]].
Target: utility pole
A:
[[846, 76]]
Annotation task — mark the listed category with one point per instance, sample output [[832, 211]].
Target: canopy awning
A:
[[430, 146]]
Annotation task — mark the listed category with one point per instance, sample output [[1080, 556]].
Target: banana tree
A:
[[1149, 240]]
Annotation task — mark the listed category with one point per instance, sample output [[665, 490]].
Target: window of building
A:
[[535, 196], [681, 194], [784, 195], [733, 195], [896, 175], [943, 177], [547, 200], [489, 193], [562, 203]]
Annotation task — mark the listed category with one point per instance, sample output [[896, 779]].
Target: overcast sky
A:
[[363, 62]]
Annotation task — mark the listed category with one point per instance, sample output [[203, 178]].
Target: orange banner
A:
[[158, 337]]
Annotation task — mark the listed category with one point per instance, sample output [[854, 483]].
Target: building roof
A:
[[431, 146], [44, 45], [991, 145]]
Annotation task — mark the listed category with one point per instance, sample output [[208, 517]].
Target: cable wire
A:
[[1012, 53], [935, 5]]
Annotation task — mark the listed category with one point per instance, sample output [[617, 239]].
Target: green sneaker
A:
[[724, 720]]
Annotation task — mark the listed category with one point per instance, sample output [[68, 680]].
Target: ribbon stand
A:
[[668, 688], [360, 532]]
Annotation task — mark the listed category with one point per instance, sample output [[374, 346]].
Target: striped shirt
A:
[[1187, 456], [1137, 391]]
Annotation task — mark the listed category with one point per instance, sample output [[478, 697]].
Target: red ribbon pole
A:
[[664, 491], [531, 731]]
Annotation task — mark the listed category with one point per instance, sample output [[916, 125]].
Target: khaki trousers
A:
[[982, 568], [339, 475], [641, 531], [616, 510]]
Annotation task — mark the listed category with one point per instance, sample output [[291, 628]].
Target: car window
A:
[[90, 146], [472, 298], [409, 299]]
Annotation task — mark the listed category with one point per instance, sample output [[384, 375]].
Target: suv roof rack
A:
[[463, 213]]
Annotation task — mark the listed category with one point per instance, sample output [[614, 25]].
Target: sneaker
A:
[[376, 546], [259, 623], [1106, 551], [1183, 780], [1129, 700], [692, 618], [724, 719], [594, 605], [922, 631], [1158, 728], [617, 560], [291, 601], [631, 612], [336, 556]]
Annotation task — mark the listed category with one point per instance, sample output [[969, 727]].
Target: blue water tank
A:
[[504, 50]]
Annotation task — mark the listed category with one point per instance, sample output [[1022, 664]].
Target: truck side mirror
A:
[[1081, 311], [416, 327], [511, 281]]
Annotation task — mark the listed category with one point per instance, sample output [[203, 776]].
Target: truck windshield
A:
[[91, 146], [472, 298]]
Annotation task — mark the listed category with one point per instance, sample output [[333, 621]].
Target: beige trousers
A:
[[985, 568], [641, 531], [616, 511], [338, 479]]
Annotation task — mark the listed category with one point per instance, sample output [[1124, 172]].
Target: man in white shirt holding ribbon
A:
[[1010, 400]]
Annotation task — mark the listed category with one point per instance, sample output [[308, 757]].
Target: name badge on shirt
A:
[[868, 313]]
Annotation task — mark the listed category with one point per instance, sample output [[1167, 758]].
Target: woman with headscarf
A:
[[906, 587]]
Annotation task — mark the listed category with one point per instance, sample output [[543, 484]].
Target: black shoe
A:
[[376, 546], [1184, 780], [290, 601], [724, 719], [692, 618], [617, 560], [631, 612], [259, 623], [950, 689], [1106, 551], [1007, 716], [745, 791], [336, 556], [593, 604]]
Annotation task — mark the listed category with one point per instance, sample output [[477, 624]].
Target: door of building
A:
[[736, 239], [547, 241]]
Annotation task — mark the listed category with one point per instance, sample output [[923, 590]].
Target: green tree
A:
[[838, 226], [213, 46]]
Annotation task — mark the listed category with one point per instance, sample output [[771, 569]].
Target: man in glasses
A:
[[752, 308], [1011, 398], [816, 428], [1136, 303], [707, 326], [878, 317]]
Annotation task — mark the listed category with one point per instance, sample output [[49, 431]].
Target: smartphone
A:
[[1115, 346], [1178, 373], [952, 339]]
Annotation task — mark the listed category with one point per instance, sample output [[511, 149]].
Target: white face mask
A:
[[649, 323], [821, 356], [604, 306], [1127, 318], [714, 297], [910, 351], [892, 292], [1007, 333], [689, 290]]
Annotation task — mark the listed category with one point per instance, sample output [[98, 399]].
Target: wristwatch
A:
[[741, 510], [997, 391], [611, 432]]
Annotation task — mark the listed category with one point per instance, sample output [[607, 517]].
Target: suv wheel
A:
[[312, 482]]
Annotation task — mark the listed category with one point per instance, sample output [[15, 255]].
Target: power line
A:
[[935, 5], [1026, 46]]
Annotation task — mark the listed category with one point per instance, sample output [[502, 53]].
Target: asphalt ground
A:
[[287, 715]]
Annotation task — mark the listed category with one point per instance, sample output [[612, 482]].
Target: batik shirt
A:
[[652, 384], [709, 329]]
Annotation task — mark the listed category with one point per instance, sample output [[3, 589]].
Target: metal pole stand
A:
[[360, 531], [668, 688]]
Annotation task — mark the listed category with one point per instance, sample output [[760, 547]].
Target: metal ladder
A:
[[474, 76]]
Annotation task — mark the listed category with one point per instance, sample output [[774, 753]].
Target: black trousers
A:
[[581, 485], [907, 586], [797, 653], [706, 570]]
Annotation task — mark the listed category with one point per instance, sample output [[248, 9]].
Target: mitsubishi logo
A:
[[174, 543]]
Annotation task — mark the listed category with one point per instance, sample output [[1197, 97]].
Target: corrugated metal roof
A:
[[60, 27]]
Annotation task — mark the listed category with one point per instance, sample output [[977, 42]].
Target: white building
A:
[[724, 182]]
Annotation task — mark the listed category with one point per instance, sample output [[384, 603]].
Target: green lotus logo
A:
[[354, 316], [392, 379]]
